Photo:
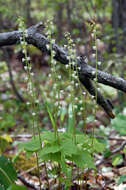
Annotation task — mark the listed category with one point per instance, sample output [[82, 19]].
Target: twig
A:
[[111, 138], [31, 169], [99, 162], [23, 180]]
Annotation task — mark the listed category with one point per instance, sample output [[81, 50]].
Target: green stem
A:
[[4, 173]]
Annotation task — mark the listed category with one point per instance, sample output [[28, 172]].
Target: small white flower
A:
[[67, 66], [53, 41], [93, 55], [28, 103], [28, 58], [93, 72], [47, 46], [30, 91], [98, 40], [33, 114], [95, 79], [37, 101], [84, 93], [54, 53], [52, 69], [92, 35], [80, 101], [73, 63], [26, 35], [68, 57], [73, 74], [65, 46], [76, 84], [76, 77], [79, 113], [75, 106], [94, 47], [63, 130], [54, 62], [99, 63], [94, 30], [81, 108], [22, 42], [61, 91], [76, 98], [23, 59], [72, 82], [25, 67], [69, 87], [59, 76], [86, 60], [24, 51], [93, 97], [32, 74]]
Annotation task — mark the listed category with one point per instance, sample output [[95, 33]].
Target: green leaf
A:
[[48, 136], [52, 156], [68, 147], [97, 146], [64, 166], [53, 148], [4, 144], [63, 112], [117, 160], [107, 153], [122, 179], [71, 120], [8, 121], [83, 139], [84, 160], [87, 143], [119, 124], [7, 172], [51, 116], [31, 146], [16, 187], [99, 3]]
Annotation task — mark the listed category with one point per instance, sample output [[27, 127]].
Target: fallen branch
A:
[[26, 183], [86, 72]]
